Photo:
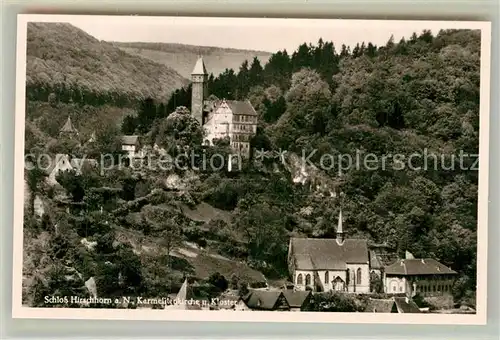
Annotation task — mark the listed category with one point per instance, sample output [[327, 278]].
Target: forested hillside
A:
[[182, 57], [68, 62], [416, 96]]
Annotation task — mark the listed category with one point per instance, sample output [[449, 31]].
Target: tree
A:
[[165, 225], [35, 178], [219, 281]]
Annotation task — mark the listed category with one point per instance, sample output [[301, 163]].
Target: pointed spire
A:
[[68, 126], [199, 68], [340, 230], [339, 226]]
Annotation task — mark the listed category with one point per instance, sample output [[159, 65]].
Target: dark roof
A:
[[380, 306], [228, 301], [406, 305], [396, 304], [296, 299], [240, 107], [263, 299], [321, 253], [130, 140], [375, 262], [418, 267]]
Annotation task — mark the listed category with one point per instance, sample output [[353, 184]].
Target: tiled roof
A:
[[406, 305], [130, 140], [426, 266], [296, 299], [375, 262], [240, 107], [228, 301], [199, 67], [380, 306], [263, 299], [316, 254], [396, 304]]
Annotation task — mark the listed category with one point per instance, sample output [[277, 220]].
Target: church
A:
[[322, 265], [221, 118]]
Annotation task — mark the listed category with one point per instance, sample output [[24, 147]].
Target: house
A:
[[266, 300], [338, 264], [233, 119], [427, 277], [63, 163], [393, 305], [297, 300], [131, 145], [231, 302]]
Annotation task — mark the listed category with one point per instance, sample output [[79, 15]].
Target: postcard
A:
[[251, 169]]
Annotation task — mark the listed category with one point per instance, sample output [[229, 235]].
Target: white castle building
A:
[[220, 117]]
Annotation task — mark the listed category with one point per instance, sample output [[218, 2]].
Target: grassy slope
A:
[[183, 57], [61, 53]]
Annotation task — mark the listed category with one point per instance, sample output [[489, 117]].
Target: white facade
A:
[[335, 280], [62, 163], [426, 286], [223, 122]]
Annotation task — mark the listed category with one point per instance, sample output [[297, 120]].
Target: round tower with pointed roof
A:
[[199, 89]]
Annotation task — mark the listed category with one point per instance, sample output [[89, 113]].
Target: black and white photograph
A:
[[251, 169]]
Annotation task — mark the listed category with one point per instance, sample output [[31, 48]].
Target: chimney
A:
[[340, 230]]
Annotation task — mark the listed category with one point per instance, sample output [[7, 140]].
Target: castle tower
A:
[[340, 230], [199, 89]]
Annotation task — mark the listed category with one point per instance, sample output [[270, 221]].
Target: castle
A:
[[221, 118]]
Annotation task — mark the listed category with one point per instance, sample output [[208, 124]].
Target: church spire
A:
[[340, 229]]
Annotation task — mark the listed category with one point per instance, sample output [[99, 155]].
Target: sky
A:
[[246, 33]]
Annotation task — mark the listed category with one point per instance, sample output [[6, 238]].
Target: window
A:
[[393, 288], [308, 279], [326, 277], [400, 288], [358, 276], [299, 279]]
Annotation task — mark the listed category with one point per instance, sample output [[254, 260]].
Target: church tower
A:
[[199, 89]]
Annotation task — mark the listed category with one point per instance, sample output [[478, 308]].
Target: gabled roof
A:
[[263, 299], [406, 305], [296, 299], [426, 266], [228, 301], [68, 126], [241, 107], [396, 304], [130, 140], [199, 67], [375, 262], [183, 297], [322, 253], [381, 306]]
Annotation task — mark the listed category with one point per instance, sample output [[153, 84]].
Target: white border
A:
[[18, 311]]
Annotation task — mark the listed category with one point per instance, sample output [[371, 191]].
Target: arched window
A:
[[299, 279], [358, 276], [308, 279], [326, 277]]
